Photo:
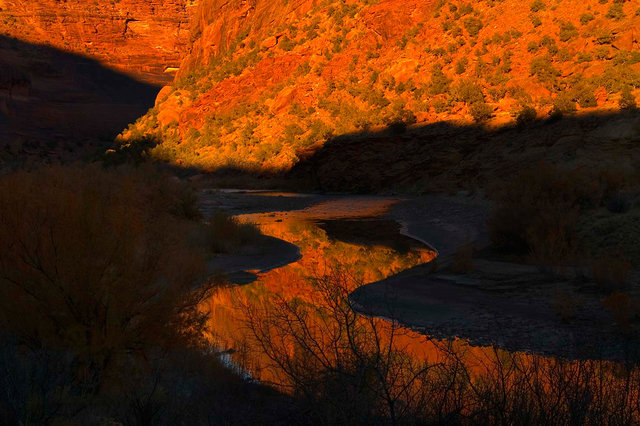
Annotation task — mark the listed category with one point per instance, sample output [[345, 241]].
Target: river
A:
[[297, 320]]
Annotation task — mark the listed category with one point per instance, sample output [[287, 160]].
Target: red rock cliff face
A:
[[217, 23], [144, 38], [266, 83]]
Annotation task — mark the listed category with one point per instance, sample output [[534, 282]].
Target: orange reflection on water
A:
[[322, 253], [366, 261]]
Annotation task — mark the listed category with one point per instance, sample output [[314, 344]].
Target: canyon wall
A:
[[73, 73], [265, 84], [144, 38]]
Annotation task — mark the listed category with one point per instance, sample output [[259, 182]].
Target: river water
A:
[[289, 320]]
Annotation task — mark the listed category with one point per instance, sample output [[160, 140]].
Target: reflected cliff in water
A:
[[344, 235], [297, 329]]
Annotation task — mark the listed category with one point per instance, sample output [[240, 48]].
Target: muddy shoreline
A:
[[517, 307], [512, 306]]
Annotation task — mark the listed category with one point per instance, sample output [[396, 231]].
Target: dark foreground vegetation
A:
[[101, 274], [103, 279], [345, 368], [579, 223]]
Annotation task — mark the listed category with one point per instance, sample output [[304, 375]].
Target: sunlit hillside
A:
[[264, 85]]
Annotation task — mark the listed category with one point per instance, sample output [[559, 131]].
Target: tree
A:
[[96, 262], [627, 100], [349, 368]]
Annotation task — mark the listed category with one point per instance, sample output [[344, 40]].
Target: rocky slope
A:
[[74, 73], [265, 85], [145, 38]]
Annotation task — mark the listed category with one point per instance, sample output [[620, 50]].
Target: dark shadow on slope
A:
[[369, 231], [436, 157], [444, 157], [57, 106]]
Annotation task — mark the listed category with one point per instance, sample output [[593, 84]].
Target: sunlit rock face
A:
[[217, 23], [144, 38], [265, 84], [73, 73]]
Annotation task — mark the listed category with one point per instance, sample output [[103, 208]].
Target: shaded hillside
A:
[[143, 38], [57, 106], [442, 157], [263, 86]]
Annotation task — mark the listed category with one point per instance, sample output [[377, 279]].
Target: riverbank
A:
[[488, 302], [517, 307]]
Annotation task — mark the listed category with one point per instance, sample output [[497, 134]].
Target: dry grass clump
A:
[[537, 211], [226, 234]]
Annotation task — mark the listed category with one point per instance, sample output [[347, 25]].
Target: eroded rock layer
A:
[[145, 38]]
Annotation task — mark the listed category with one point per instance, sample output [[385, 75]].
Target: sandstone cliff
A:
[[264, 84], [145, 38], [73, 73]]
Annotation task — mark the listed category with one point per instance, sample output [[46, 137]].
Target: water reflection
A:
[[295, 328], [337, 234]]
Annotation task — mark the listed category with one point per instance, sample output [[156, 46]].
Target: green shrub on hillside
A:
[[537, 6], [585, 18], [543, 69], [480, 111], [627, 100], [563, 104], [527, 114], [467, 91], [535, 20], [461, 65], [440, 83], [616, 11], [567, 31], [473, 26]]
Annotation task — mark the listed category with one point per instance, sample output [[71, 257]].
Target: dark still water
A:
[[296, 328]]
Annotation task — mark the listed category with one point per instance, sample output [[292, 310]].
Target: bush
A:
[[535, 20], [584, 95], [585, 18], [225, 234], [99, 264], [286, 44], [616, 12], [604, 36], [461, 65], [543, 69], [527, 114], [563, 104], [480, 111], [627, 100], [473, 26], [536, 213], [467, 91], [537, 6], [567, 31]]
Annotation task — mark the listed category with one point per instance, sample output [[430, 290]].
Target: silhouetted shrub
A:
[[627, 100], [536, 212], [527, 114], [227, 235]]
